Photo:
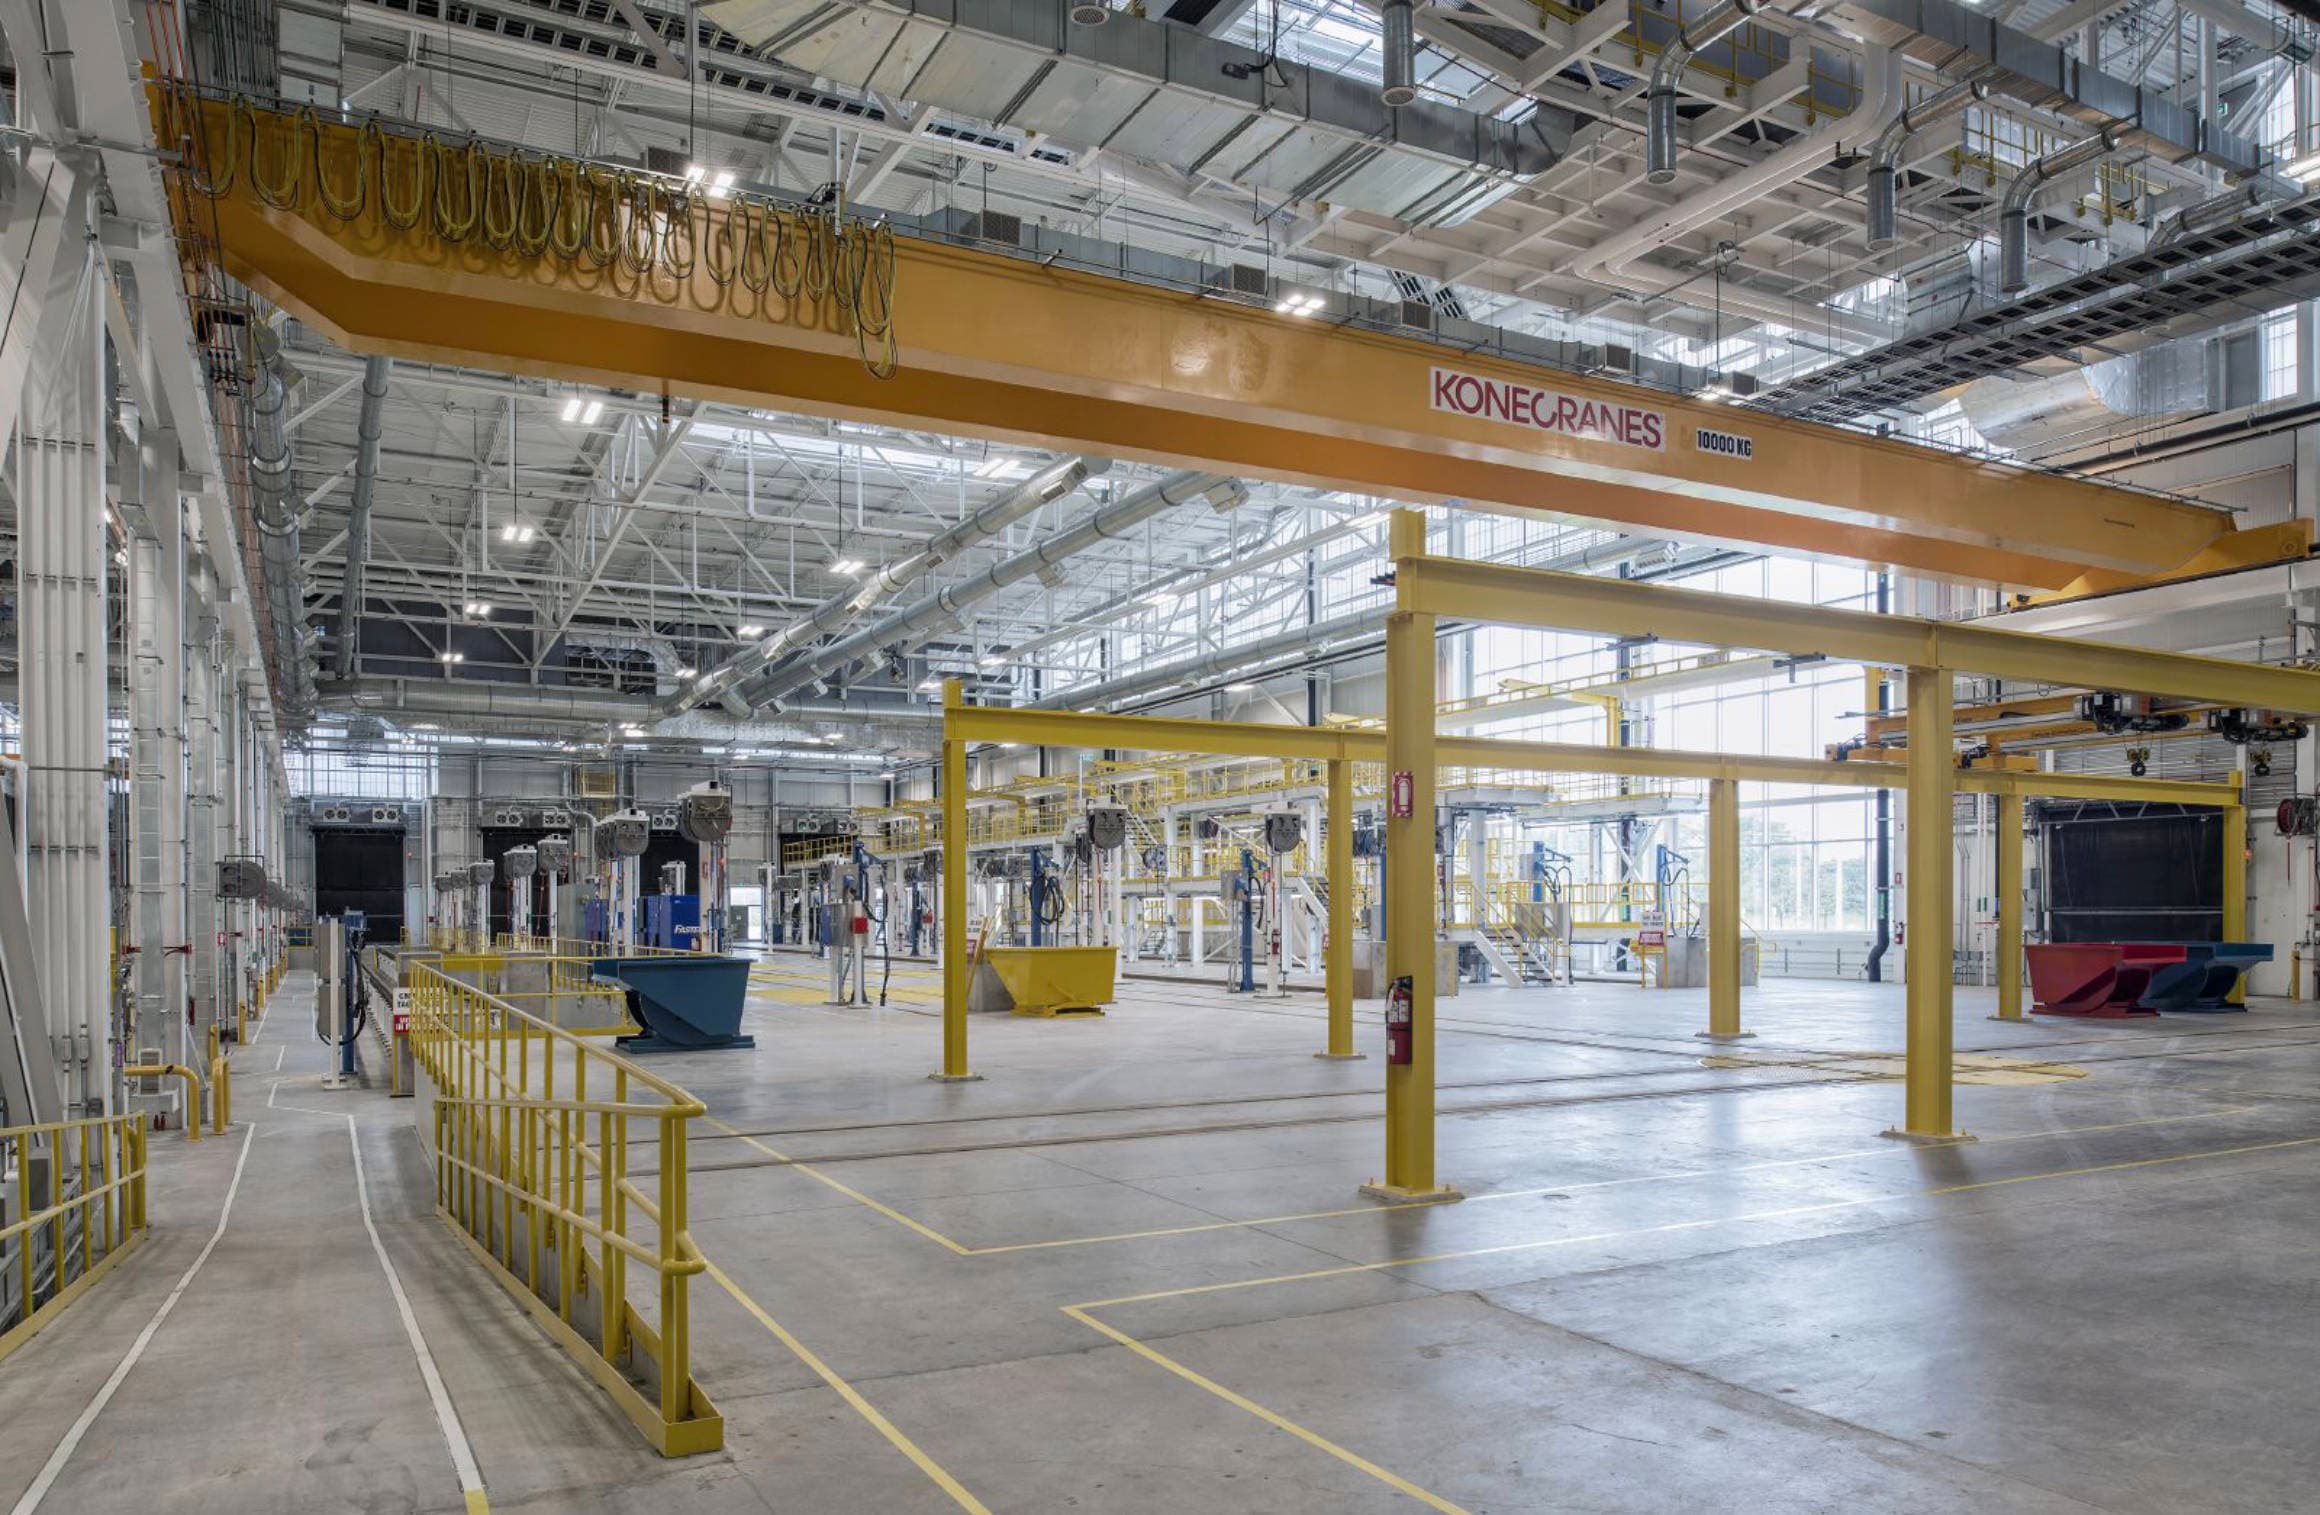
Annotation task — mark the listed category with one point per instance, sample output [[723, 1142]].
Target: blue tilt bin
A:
[[684, 1004], [2206, 976]]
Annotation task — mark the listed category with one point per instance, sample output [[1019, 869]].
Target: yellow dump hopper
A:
[[1054, 980]]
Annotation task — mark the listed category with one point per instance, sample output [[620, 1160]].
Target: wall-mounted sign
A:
[[1548, 410], [1724, 444], [1401, 795], [402, 1012]]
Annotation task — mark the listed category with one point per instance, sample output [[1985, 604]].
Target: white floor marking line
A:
[[454, 1435], [88, 1417], [280, 1053], [446, 1416]]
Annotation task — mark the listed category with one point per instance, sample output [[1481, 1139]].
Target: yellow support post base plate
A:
[[1724, 1036], [1341, 1057], [954, 1078], [1395, 1194], [1927, 1138]]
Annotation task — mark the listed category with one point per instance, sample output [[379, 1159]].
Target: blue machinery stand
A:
[[1248, 894], [1040, 884], [356, 925]]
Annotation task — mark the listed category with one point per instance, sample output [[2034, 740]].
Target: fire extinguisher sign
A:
[[1402, 794]]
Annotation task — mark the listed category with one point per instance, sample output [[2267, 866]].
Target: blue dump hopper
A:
[[684, 1004]]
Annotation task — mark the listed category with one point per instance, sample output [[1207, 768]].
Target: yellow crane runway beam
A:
[[1546, 599], [1017, 350], [972, 724]]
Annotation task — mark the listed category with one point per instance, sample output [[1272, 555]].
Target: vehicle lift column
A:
[[555, 860], [1107, 834], [621, 838], [479, 876], [520, 864], [705, 817], [1284, 829]]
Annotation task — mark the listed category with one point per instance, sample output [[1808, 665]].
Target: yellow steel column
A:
[[954, 896], [2235, 883], [2009, 886], [1927, 877], [1724, 911], [1337, 962], [1410, 863]]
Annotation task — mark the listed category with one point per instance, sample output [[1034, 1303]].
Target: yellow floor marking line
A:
[[852, 1193], [1882, 1149], [846, 1391], [1279, 1422], [1783, 1213], [1080, 1312]]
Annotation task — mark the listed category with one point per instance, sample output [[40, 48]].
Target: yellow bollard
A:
[[192, 1090]]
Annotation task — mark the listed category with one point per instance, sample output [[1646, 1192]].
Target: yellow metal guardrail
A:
[[84, 1232], [533, 1169]]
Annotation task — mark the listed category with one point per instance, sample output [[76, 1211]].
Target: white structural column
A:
[[60, 496], [157, 726], [202, 815]]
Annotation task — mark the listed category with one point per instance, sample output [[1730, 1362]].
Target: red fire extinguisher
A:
[[1398, 1008]]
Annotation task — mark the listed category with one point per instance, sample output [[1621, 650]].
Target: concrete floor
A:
[[1129, 1273]]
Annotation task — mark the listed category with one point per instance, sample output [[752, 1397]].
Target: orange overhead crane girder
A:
[[1011, 349]]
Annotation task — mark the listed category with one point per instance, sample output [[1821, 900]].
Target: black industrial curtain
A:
[[2132, 873]]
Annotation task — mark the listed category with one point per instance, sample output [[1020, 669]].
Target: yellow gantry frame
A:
[[1931, 780], [1930, 653]]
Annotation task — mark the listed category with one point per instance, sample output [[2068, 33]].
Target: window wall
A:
[[1806, 853]]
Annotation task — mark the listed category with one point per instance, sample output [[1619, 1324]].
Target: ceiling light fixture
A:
[[1299, 303], [993, 660], [454, 657], [748, 632], [580, 410], [517, 531], [478, 609], [930, 686], [686, 673], [847, 567], [1239, 687]]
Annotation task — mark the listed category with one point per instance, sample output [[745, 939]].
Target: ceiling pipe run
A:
[[276, 514], [1612, 261], [947, 607], [1885, 160], [1047, 485], [368, 424], [2014, 210], [1302, 643], [1668, 72], [502, 707]]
